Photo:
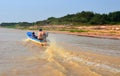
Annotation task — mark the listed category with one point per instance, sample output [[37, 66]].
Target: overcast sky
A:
[[35, 10]]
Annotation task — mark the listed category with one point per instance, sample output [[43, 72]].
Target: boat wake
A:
[[56, 60]]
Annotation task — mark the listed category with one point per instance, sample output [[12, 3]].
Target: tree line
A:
[[14, 25], [84, 17], [80, 18]]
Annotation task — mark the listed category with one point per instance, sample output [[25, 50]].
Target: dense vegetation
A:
[[17, 25], [81, 18], [84, 17]]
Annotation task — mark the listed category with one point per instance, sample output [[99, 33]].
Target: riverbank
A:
[[96, 35], [111, 32], [98, 31]]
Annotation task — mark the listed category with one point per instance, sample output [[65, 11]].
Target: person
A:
[[42, 35], [33, 35]]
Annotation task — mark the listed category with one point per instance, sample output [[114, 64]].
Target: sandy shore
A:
[[89, 34], [98, 31], [111, 32]]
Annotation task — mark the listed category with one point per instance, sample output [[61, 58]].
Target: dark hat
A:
[[40, 29], [33, 32]]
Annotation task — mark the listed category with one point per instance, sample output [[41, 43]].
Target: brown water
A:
[[66, 55]]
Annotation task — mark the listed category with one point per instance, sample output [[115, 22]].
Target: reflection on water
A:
[[66, 55]]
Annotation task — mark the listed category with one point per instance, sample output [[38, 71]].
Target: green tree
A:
[[114, 17]]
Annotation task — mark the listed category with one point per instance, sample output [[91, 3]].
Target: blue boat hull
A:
[[30, 37]]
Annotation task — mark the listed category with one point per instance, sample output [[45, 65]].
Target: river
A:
[[66, 55]]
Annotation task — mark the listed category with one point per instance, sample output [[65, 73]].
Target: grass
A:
[[79, 30], [10, 26]]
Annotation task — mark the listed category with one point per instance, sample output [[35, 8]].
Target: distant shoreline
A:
[[87, 35], [99, 31], [107, 32]]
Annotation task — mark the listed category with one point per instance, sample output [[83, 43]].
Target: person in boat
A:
[[33, 35], [42, 35]]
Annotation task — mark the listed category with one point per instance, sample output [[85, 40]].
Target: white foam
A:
[[103, 66]]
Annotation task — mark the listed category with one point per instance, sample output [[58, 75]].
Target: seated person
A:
[[42, 35], [33, 35]]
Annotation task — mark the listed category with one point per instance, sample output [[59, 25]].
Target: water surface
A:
[[66, 55]]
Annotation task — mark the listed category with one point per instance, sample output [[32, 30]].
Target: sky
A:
[[36, 10]]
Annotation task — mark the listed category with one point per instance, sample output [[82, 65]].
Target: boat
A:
[[30, 37]]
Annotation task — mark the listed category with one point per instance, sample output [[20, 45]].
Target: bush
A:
[[78, 30]]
